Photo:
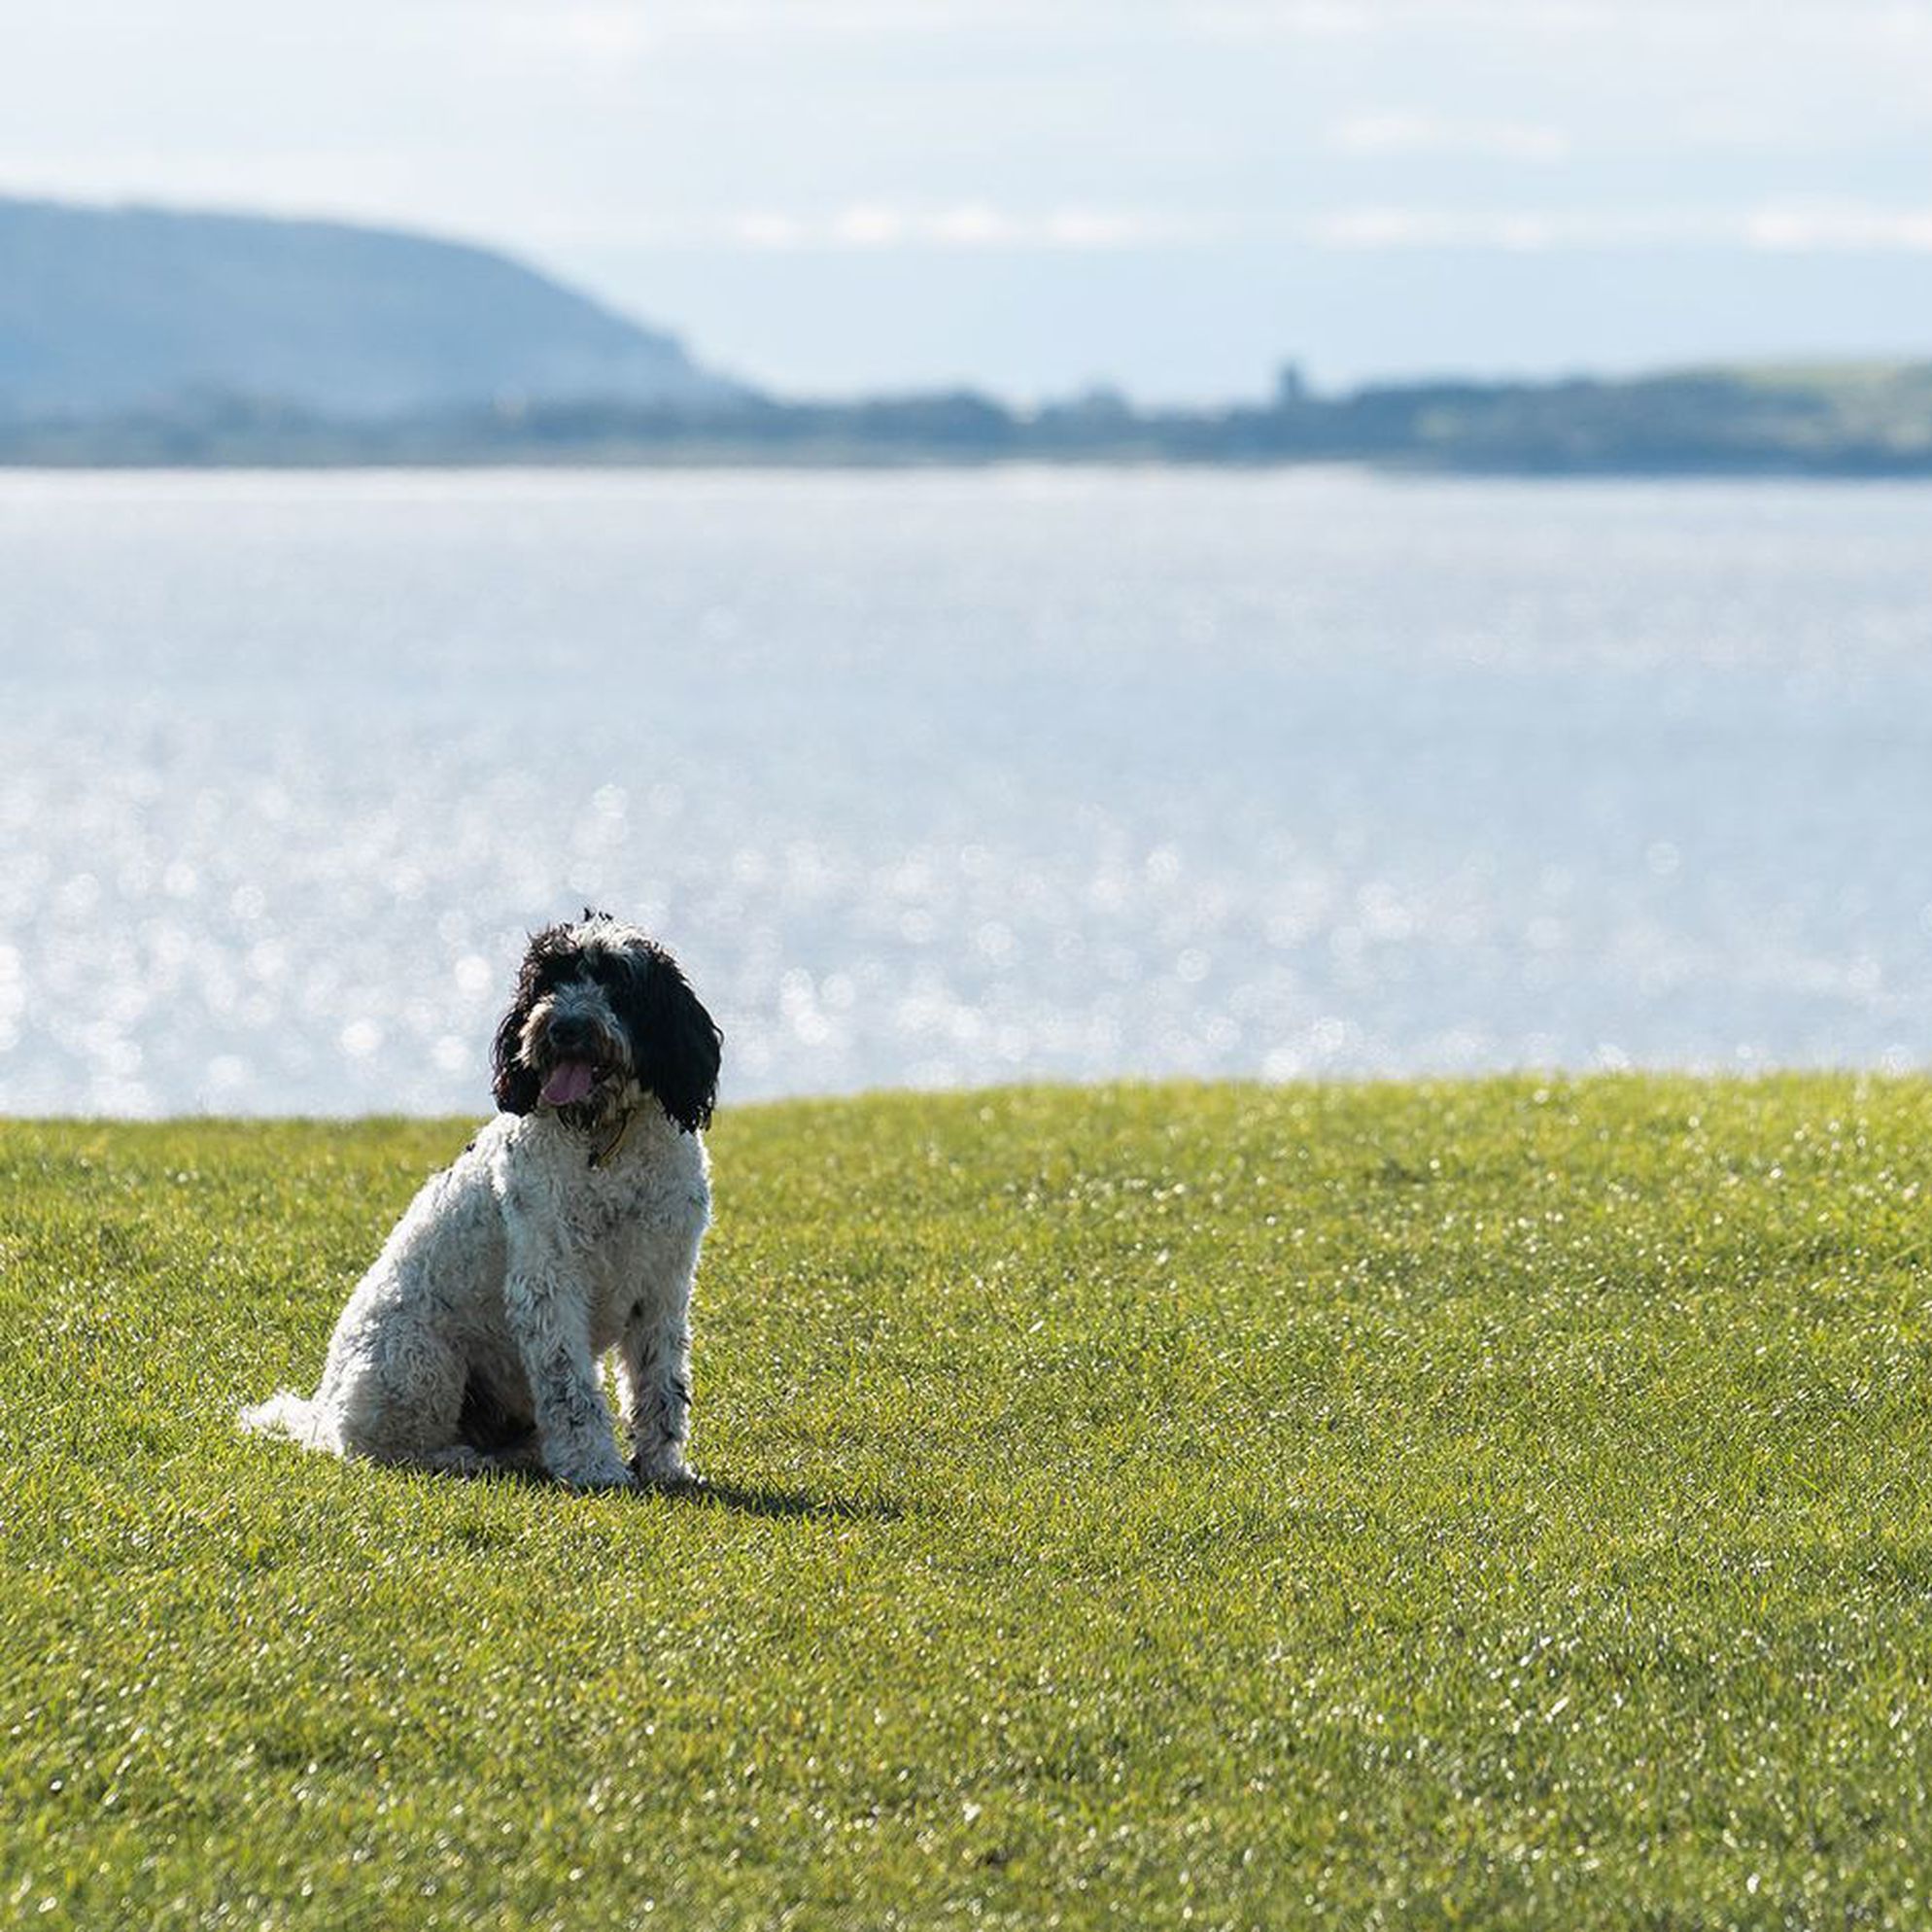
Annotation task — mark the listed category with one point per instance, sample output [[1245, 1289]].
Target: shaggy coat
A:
[[569, 1227]]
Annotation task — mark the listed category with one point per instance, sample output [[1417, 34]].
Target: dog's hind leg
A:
[[397, 1398]]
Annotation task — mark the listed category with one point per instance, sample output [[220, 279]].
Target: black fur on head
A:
[[674, 1044], [545, 963]]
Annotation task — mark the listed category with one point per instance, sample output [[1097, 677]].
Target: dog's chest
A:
[[635, 1225], [631, 1222], [615, 1227]]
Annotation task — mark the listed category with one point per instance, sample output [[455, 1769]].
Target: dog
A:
[[570, 1225]]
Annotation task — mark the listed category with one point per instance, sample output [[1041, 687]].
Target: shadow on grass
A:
[[742, 1498], [754, 1501]]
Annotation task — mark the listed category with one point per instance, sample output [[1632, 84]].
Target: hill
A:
[[106, 311], [1500, 1504], [138, 336]]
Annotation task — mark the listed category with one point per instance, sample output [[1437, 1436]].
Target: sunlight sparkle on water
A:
[[957, 779]]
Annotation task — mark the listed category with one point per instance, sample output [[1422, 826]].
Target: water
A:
[[958, 778]]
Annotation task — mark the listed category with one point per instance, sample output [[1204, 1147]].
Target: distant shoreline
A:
[[751, 463], [1871, 421]]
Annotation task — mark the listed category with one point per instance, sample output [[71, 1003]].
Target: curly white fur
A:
[[560, 1233]]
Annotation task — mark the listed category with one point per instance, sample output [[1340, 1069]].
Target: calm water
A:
[[958, 778]]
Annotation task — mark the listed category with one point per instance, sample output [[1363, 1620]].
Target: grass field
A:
[[1487, 1504]]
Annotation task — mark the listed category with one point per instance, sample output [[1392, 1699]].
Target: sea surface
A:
[[943, 778]]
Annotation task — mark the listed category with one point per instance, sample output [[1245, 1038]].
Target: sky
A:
[[1171, 196]]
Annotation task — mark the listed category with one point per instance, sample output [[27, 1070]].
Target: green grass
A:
[[1491, 1505]]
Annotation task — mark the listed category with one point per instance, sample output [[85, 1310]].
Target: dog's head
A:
[[603, 1017]]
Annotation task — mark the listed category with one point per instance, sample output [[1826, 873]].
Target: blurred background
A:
[[1262, 538]]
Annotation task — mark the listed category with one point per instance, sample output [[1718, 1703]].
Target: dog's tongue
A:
[[570, 1081]]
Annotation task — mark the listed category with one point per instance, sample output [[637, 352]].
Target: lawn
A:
[[1491, 1505]]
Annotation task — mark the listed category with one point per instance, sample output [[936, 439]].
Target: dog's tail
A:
[[286, 1413]]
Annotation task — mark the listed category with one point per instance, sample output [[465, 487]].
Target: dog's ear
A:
[[676, 1044], [514, 1084]]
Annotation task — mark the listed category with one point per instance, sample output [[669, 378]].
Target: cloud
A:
[[1795, 227], [594, 33], [1408, 134], [1889, 20], [1787, 228], [970, 224], [1826, 226], [627, 23]]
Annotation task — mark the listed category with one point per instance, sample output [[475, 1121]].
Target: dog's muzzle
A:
[[577, 1057]]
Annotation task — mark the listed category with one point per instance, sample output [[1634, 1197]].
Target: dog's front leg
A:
[[654, 1365], [654, 1391], [547, 1302]]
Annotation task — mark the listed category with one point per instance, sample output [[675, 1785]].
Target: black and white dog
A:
[[568, 1227]]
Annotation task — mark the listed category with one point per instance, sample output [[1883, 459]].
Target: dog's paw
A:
[[671, 1471], [593, 1475]]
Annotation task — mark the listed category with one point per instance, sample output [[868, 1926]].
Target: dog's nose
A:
[[572, 1034]]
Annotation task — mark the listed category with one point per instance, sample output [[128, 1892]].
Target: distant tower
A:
[[1291, 390]]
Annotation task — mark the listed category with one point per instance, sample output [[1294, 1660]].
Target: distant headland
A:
[[143, 337]]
